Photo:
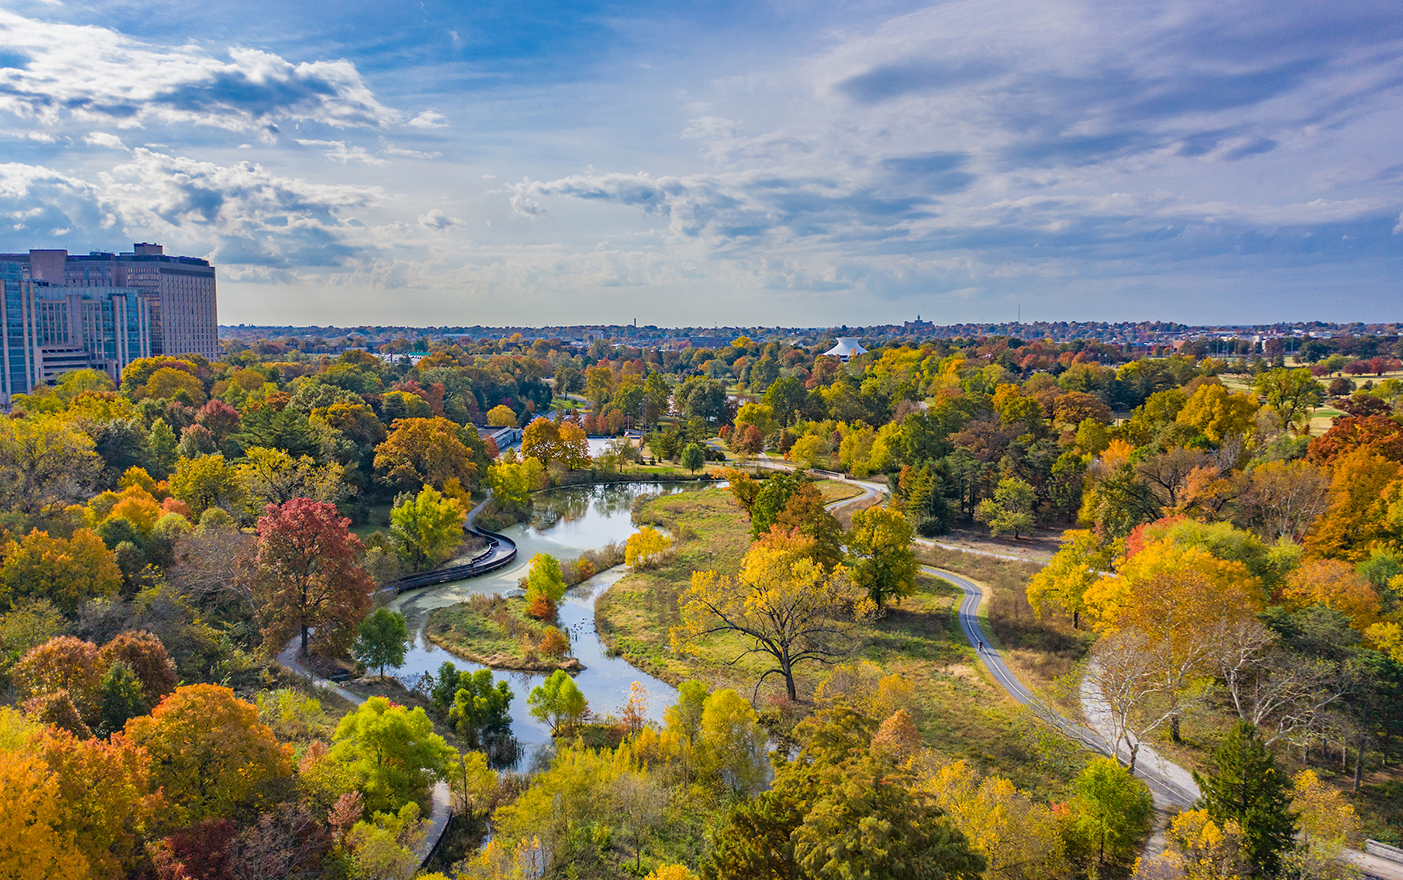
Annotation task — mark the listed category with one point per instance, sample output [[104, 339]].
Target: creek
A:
[[566, 522]]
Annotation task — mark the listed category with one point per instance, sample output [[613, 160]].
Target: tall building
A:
[[61, 312]]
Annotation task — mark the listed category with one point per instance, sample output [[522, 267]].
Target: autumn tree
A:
[[1334, 584], [1218, 413], [1358, 512], [63, 663], [381, 640], [646, 548], [1019, 836], [782, 605], [65, 572], [884, 565], [306, 576], [34, 845], [390, 752], [541, 440], [1378, 434], [207, 482], [148, 660], [427, 528], [45, 464], [806, 513], [209, 753], [105, 796], [426, 452], [271, 476], [1010, 510], [501, 416], [731, 746], [1280, 499], [1063, 582]]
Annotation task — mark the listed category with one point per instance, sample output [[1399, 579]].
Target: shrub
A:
[[541, 607], [554, 643]]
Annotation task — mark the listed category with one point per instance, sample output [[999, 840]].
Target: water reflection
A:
[[567, 522]]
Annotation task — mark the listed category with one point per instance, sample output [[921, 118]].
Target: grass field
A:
[[834, 490], [960, 712], [494, 631]]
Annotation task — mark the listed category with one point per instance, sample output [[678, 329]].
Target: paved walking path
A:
[[441, 810]]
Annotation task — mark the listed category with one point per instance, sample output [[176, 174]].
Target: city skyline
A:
[[760, 164]]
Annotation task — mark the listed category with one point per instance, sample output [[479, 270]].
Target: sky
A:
[[768, 162]]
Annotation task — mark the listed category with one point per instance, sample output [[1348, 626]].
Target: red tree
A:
[[306, 576], [147, 657], [1379, 433]]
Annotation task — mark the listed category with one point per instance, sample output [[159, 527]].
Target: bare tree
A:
[[1126, 675], [1167, 474]]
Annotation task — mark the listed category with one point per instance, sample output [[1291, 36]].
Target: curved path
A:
[[501, 552], [441, 810]]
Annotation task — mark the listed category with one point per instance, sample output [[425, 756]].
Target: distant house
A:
[[847, 347], [503, 437]]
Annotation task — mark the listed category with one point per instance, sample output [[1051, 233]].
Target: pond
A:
[[566, 523]]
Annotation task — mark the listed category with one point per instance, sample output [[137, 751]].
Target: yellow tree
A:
[[501, 416], [271, 476], [205, 482], [574, 446], [782, 606], [427, 452], [1019, 836], [1077, 564], [45, 464], [34, 845], [63, 571], [210, 755], [541, 440], [1179, 599], [427, 528], [1220, 414]]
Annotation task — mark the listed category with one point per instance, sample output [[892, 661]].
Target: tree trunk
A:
[[1174, 729], [1358, 763], [304, 640], [1076, 620]]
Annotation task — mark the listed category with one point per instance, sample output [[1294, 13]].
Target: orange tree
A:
[[306, 576]]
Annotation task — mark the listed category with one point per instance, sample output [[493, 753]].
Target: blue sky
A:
[[761, 162]]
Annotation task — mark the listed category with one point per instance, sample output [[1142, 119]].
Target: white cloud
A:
[[409, 154], [103, 139], [95, 73], [428, 119], [337, 151], [438, 221]]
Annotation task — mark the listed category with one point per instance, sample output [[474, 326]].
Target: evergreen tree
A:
[[1250, 788]]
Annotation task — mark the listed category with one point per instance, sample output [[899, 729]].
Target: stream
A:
[[566, 522]]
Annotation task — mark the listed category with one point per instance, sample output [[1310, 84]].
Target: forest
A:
[[1224, 561]]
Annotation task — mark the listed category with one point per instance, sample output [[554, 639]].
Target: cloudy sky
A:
[[767, 161]]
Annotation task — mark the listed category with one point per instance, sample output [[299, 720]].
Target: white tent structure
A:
[[847, 347]]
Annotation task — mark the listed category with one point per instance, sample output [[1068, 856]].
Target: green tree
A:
[[732, 745], [207, 482], [1010, 510], [45, 464], [883, 563], [382, 640], [390, 753], [770, 499], [693, 458], [120, 699], [1249, 788], [558, 702], [545, 578], [427, 528], [1113, 812], [161, 442], [786, 398], [1291, 393], [480, 706]]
